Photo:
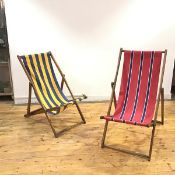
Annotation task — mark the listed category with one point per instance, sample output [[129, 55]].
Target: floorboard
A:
[[27, 145]]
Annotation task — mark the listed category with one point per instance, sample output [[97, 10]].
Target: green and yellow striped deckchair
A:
[[40, 72]]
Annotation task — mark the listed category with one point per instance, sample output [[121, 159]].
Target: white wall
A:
[[85, 37]]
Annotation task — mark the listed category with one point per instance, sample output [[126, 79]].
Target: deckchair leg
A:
[[82, 117], [29, 101], [151, 143], [162, 106], [50, 123], [104, 134]]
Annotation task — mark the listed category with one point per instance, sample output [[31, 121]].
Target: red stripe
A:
[[143, 86], [133, 85], [123, 85], [153, 88]]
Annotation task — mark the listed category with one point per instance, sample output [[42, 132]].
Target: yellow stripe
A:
[[46, 80], [41, 81], [35, 83], [52, 79], [42, 84]]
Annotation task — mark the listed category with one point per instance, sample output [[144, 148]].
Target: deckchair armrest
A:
[[102, 117], [79, 99], [115, 101], [112, 84], [57, 108]]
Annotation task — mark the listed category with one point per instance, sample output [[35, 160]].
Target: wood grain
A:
[[27, 145]]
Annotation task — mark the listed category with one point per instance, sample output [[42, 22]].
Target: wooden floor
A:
[[27, 145]]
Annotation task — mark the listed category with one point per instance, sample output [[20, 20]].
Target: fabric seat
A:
[[138, 90]]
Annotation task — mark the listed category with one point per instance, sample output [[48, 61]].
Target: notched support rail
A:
[[63, 81]]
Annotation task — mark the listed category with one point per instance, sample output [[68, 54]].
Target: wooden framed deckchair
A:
[[140, 92], [40, 72]]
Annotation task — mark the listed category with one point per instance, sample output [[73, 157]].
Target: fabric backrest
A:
[[139, 85], [41, 71]]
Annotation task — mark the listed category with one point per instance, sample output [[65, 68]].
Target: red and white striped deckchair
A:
[[140, 91]]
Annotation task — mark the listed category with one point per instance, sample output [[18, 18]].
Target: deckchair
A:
[[140, 92], [42, 78]]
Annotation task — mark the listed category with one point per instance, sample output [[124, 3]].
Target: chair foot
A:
[[104, 134], [102, 145], [27, 115], [82, 118], [56, 135], [159, 122], [81, 115], [151, 143]]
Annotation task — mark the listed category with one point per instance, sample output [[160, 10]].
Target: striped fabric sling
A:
[[40, 68], [138, 90]]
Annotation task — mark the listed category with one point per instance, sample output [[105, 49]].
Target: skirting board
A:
[[24, 100]]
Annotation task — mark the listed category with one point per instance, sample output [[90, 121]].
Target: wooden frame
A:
[[160, 96], [42, 109]]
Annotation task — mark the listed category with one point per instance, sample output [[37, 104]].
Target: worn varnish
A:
[[27, 145]]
